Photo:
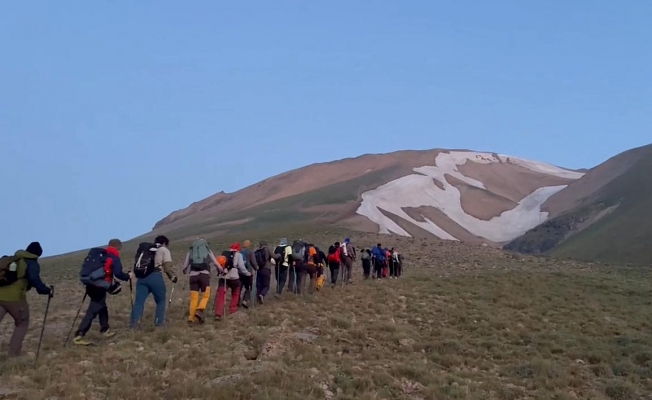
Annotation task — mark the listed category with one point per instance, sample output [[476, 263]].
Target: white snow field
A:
[[419, 190]]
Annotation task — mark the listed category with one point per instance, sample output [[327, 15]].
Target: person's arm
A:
[[33, 274], [238, 262], [186, 263], [217, 266], [252, 260], [167, 264], [117, 269]]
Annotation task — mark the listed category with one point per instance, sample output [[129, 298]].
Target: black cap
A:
[[35, 248]]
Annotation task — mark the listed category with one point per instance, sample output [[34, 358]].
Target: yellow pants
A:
[[194, 300]]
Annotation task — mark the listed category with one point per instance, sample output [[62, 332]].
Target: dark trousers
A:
[[303, 272], [334, 266], [19, 311], [366, 268], [247, 285], [392, 270], [378, 268], [96, 308], [281, 278], [263, 280]]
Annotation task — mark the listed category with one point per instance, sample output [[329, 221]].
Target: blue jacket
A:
[[33, 275], [378, 253]]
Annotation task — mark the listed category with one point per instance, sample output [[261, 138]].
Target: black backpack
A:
[[261, 259], [8, 270], [144, 264], [92, 270], [230, 255]]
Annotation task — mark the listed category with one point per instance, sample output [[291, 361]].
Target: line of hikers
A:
[[243, 270]]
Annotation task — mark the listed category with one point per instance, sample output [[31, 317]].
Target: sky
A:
[[115, 113]]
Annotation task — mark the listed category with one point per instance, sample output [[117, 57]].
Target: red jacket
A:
[[113, 266]]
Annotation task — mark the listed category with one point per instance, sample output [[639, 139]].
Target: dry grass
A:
[[463, 323]]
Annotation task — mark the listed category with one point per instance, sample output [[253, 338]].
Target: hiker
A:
[[321, 262], [378, 257], [198, 267], [19, 274], [282, 256], [347, 256], [334, 262], [307, 266], [297, 266], [99, 271], [230, 266], [390, 263], [248, 281], [150, 280], [264, 261], [366, 263], [398, 263]]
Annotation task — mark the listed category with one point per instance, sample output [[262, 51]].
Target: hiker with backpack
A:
[[263, 257], [230, 266], [198, 265], [18, 275], [151, 261], [366, 263], [348, 256], [98, 273], [378, 257], [321, 262], [248, 280], [306, 266], [283, 257], [397, 259], [334, 262]]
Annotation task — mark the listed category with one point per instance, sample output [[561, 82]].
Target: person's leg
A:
[[95, 294], [235, 286], [19, 311], [194, 297], [205, 289], [143, 290], [292, 279], [263, 281], [159, 291], [349, 269], [103, 312], [220, 298], [282, 278]]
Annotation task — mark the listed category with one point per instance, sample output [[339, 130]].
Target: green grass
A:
[[463, 323]]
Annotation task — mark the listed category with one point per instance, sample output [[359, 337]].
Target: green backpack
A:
[[199, 253]]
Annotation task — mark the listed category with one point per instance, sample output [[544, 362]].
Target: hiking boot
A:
[[245, 304], [218, 318], [191, 324], [261, 299], [79, 341], [200, 316], [108, 334]]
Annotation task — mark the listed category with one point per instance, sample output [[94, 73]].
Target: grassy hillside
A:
[[463, 323], [614, 224], [302, 208]]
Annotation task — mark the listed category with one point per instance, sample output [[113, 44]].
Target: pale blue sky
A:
[[113, 114]]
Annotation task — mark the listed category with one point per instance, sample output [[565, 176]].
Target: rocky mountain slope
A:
[[604, 216], [476, 197]]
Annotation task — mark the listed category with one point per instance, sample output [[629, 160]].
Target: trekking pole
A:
[[253, 290], [131, 295], [45, 317], [75, 320]]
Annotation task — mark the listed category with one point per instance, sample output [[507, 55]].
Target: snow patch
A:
[[420, 189]]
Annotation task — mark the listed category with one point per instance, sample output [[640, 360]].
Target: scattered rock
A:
[[410, 387], [313, 372], [85, 364], [306, 337], [225, 379], [329, 394], [580, 362], [402, 298], [520, 326], [573, 395], [406, 342], [271, 349], [140, 349]]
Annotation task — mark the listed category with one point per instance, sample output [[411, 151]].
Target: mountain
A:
[[476, 197], [603, 216]]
